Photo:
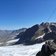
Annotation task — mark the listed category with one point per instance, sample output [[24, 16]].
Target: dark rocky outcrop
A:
[[53, 27], [49, 36], [30, 36], [48, 49]]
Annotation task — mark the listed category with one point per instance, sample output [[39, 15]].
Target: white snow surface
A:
[[40, 36], [20, 50], [11, 41]]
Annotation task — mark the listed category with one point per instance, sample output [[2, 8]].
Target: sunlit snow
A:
[[20, 50]]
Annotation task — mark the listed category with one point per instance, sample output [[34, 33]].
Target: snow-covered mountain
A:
[[36, 34], [30, 36]]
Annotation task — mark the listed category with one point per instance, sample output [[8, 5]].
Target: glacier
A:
[[20, 50]]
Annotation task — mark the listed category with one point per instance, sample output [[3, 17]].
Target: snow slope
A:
[[20, 50]]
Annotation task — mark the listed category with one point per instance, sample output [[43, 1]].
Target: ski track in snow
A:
[[20, 50]]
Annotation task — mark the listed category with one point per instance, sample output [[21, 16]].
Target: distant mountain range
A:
[[7, 35], [27, 36]]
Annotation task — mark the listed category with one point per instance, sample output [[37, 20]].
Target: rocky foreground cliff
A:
[[48, 49]]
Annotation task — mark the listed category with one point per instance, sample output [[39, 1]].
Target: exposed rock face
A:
[[53, 27], [28, 34], [48, 49], [31, 34], [49, 36]]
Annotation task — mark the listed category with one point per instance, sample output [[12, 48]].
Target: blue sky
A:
[[15, 14]]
